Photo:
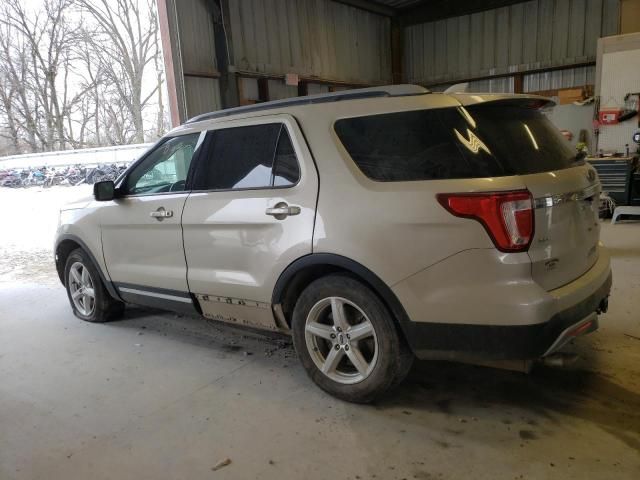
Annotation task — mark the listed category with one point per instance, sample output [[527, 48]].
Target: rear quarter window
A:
[[453, 143]]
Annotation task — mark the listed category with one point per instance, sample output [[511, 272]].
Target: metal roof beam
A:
[[370, 6], [439, 9]]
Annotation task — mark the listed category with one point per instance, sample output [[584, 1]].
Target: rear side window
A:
[[257, 156], [454, 143]]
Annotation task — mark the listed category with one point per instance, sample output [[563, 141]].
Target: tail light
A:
[[506, 216]]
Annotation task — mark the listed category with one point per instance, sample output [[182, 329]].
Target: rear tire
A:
[[347, 340], [89, 299]]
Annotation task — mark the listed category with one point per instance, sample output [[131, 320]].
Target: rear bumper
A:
[[562, 314]]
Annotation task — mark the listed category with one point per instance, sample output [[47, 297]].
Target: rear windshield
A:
[[489, 140]]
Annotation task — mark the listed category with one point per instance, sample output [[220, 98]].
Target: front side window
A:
[[490, 140], [257, 156], [164, 169]]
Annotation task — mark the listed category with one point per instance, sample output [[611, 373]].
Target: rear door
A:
[[251, 213]]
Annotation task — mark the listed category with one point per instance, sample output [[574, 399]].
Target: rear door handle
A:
[[281, 211], [161, 214]]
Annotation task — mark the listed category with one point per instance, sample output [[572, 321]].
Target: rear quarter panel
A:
[[395, 229]]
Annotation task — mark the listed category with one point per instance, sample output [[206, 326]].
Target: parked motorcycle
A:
[[72, 175]]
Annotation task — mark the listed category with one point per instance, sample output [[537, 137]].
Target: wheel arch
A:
[[301, 272], [66, 244]]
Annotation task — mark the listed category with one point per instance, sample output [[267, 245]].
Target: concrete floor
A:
[[157, 396]]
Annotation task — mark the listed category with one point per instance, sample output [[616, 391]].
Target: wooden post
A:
[[518, 83], [263, 89]]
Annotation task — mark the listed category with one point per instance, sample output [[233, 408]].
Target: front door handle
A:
[[281, 211], [161, 214]]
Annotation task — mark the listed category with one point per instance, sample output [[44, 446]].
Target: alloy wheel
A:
[[341, 340], [81, 289]]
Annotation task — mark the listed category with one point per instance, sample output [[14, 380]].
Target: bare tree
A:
[[37, 55], [76, 73], [19, 104], [49, 39], [7, 91], [94, 85], [126, 43]]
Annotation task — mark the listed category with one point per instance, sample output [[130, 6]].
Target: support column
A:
[[303, 88], [172, 61], [229, 95], [263, 89], [397, 32], [518, 83]]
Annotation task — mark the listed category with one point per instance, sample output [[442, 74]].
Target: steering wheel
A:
[[177, 186]]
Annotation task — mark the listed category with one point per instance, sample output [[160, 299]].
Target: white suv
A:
[[373, 225]]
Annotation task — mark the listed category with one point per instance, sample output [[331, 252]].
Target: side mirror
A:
[[636, 137], [104, 191]]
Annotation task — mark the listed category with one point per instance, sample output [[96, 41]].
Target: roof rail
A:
[[355, 94]]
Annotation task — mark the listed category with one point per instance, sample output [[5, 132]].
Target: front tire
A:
[[89, 299], [347, 340]]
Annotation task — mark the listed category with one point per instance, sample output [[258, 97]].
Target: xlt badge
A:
[[551, 264]]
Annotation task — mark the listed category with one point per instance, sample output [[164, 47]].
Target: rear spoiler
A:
[[535, 102]]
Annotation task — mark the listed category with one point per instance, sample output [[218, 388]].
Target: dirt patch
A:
[[527, 435], [28, 266]]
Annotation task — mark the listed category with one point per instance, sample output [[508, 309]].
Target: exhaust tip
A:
[[559, 359], [604, 305]]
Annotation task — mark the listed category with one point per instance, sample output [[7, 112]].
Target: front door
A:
[[141, 233], [251, 214]]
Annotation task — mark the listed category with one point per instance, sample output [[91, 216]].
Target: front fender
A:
[[81, 227]]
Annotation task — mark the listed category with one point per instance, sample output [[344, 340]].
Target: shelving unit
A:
[[615, 175]]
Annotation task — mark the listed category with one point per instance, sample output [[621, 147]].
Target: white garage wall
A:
[[620, 75], [574, 118]]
